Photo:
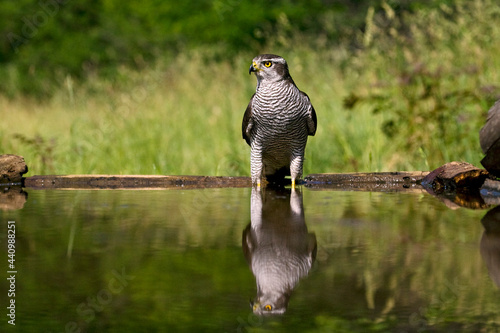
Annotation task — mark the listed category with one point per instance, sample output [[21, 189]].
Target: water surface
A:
[[205, 260]]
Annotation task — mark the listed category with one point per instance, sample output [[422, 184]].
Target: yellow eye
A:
[[268, 307], [268, 64]]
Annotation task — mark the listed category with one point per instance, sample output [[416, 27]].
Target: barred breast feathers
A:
[[278, 98]]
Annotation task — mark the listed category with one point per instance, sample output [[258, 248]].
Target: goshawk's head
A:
[[269, 67]]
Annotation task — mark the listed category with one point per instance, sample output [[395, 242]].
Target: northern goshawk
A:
[[277, 121]]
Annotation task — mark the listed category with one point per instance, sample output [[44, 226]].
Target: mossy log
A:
[[12, 169], [355, 181], [491, 160], [361, 181], [132, 182], [457, 184], [455, 175]]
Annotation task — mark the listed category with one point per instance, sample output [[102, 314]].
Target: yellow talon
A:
[[293, 183], [258, 184]]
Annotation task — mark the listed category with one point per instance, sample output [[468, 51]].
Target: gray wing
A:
[[490, 132], [312, 121], [247, 123]]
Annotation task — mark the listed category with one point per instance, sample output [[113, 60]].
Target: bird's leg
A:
[[296, 168], [256, 166]]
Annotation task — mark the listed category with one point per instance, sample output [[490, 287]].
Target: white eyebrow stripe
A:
[[280, 60], [277, 59]]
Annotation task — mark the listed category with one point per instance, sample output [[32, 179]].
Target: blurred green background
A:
[[160, 87]]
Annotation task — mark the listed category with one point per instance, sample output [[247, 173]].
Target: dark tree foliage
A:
[[45, 40]]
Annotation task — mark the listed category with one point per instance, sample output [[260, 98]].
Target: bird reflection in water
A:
[[277, 247]]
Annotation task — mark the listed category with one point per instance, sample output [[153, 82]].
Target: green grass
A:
[[413, 97]]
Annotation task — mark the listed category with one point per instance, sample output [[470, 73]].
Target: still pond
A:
[[247, 260]]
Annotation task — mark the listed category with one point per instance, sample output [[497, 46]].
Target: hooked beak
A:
[[253, 68]]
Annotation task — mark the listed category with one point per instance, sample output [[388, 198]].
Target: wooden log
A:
[[12, 169], [491, 161], [489, 139], [132, 181], [386, 181], [360, 181], [457, 184], [455, 175]]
